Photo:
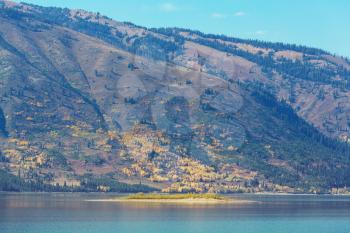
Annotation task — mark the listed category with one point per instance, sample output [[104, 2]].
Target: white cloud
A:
[[260, 33], [168, 7], [239, 14], [216, 15]]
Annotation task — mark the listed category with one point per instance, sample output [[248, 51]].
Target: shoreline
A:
[[177, 201], [224, 194]]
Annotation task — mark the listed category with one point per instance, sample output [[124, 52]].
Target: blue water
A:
[[66, 213]]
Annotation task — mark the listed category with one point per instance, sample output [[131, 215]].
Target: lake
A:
[[71, 213]]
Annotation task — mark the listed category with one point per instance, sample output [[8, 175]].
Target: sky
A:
[[322, 24]]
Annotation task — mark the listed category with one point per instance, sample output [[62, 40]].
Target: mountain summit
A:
[[91, 104]]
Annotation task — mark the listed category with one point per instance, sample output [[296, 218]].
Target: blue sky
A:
[[318, 23]]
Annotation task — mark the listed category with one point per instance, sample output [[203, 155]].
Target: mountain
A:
[[91, 104]]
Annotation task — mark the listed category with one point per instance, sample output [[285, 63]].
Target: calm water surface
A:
[[71, 213]]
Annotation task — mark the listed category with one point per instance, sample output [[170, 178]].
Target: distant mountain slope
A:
[[89, 102]]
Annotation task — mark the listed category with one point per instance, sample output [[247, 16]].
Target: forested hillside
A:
[[91, 104]]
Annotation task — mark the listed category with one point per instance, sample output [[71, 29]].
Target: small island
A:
[[158, 196], [187, 198]]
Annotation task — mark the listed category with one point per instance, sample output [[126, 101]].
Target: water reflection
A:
[[38, 213]]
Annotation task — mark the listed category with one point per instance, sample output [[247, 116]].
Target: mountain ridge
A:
[[84, 96]]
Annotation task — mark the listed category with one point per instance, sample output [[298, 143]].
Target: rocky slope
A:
[[85, 98]]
